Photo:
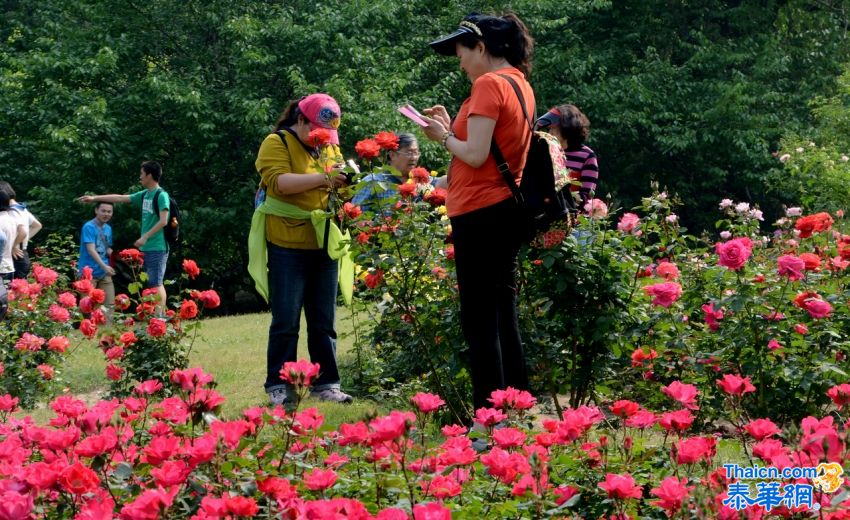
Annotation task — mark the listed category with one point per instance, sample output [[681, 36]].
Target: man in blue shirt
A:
[[95, 249], [152, 240]]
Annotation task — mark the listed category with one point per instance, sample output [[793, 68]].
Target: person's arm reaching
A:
[[112, 197]]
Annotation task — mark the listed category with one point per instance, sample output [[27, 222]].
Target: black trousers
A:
[[486, 244]]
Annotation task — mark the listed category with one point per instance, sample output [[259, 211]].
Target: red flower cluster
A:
[[811, 224], [300, 373], [132, 257]]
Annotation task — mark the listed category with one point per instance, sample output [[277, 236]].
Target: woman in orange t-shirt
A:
[[483, 212]]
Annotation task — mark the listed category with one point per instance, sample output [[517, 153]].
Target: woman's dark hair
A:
[[289, 116], [574, 126], [4, 201], [504, 36], [5, 186]]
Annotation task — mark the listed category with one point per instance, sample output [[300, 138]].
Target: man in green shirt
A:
[[152, 240]]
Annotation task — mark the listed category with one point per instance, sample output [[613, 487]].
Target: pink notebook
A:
[[411, 113]]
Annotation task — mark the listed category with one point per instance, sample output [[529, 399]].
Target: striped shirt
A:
[[583, 166]]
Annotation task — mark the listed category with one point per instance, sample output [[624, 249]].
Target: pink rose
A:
[[667, 270], [734, 253], [628, 223], [596, 208], [791, 267], [664, 294], [817, 308]]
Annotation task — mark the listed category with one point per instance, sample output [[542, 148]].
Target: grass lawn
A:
[[233, 350]]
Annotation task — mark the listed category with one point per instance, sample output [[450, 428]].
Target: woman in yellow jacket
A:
[[301, 275]]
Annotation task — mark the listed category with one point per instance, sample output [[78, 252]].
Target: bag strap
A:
[[501, 163], [521, 98], [309, 149], [156, 212], [156, 201]]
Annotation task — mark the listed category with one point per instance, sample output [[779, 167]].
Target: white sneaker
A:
[[334, 395]]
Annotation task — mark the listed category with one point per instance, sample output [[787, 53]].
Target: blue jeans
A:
[[155, 267], [302, 279]]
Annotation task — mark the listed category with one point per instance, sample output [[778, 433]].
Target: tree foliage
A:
[[694, 95]]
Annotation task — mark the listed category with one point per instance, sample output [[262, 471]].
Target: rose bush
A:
[[148, 457], [139, 345], [36, 335]]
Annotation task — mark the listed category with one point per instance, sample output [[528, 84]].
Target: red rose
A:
[[450, 252], [840, 394], [191, 268], [351, 210], [667, 270], [239, 505], [791, 267], [408, 189], [83, 286], [367, 149], [128, 338], [122, 302], [188, 310], [210, 299], [420, 175], [625, 408], [672, 493], [735, 385], [372, 280], [58, 343], [58, 313], [44, 275], [437, 197], [621, 486], [114, 372], [811, 261], [79, 479], [98, 296], [319, 137], [427, 403], [387, 140], [88, 328], [47, 371], [800, 299], [156, 328], [319, 479]]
